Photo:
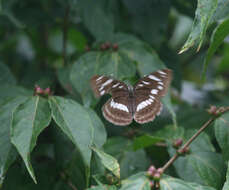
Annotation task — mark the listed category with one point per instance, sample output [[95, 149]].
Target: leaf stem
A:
[[220, 111]]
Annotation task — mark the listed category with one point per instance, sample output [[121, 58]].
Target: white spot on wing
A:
[[154, 78], [160, 87], [101, 88], [150, 100], [115, 85], [143, 104], [152, 97], [162, 72], [161, 83], [154, 91], [99, 78], [144, 82], [141, 85], [119, 106], [102, 93], [107, 82], [120, 86]]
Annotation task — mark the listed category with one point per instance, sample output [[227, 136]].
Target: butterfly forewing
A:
[[102, 85], [148, 92]]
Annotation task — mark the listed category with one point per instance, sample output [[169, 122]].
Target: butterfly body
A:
[[140, 102]]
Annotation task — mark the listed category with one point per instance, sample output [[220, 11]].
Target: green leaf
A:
[[63, 75], [75, 122], [136, 182], [7, 152], [167, 102], [99, 131], [108, 161], [147, 59], [170, 133], [169, 183], [219, 34], [115, 144], [145, 141], [209, 166], [222, 134], [128, 159], [204, 167], [131, 164], [205, 10], [98, 21], [103, 187], [29, 120], [222, 11], [226, 184], [108, 63], [8, 90], [6, 76], [144, 19]]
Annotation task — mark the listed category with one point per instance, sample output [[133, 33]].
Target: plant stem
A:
[[219, 112], [65, 32]]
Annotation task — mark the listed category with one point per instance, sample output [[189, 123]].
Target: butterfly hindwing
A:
[[117, 111]]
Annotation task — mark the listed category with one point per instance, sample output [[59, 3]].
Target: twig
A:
[[216, 114], [65, 32]]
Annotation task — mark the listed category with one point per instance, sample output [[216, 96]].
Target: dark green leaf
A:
[[222, 11], [147, 59], [131, 164], [167, 102], [201, 165], [170, 133], [209, 166], [222, 134], [29, 120], [115, 144], [136, 182], [108, 161], [144, 19], [7, 153], [13, 90], [169, 183], [205, 10], [99, 131], [145, 141], [103, 187], [226, 184], [6, 76], [219, 34], [75, 122], [98, 21], [128, 159]]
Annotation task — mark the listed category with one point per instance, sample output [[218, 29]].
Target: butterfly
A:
[[140, 102]]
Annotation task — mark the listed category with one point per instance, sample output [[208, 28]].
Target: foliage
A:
[[52, 132]]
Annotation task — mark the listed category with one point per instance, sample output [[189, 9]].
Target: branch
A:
[[216, 112]]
